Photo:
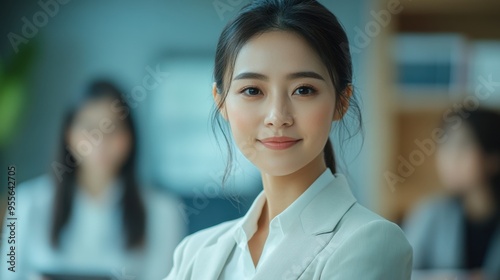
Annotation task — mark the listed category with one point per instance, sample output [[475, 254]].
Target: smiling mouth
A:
[[279, 143]]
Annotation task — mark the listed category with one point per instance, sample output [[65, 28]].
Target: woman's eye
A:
[[304, 91], [251, 91]]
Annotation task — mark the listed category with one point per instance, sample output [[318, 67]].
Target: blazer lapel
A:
[[310, 234], [208, 264]]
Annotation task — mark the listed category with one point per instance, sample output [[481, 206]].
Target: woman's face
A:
[[100, 138], [279, 88], [460, 162]]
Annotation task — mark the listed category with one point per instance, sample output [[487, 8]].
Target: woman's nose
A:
[[278, 112]]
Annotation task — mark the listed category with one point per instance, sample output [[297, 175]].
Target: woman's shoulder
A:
[[434, 208], [210, 235], [33, 200], [368, 246], [40, 187], [40, 181], [361, 224], [187, 248], [437, 202], [191, 245], [359, 216]]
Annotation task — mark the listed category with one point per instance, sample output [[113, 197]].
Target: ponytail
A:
[[329, 156]]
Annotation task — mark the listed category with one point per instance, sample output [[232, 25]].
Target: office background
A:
[[413, 61]]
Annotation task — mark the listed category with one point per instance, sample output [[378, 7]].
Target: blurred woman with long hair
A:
[[90, 217], [461, 229]]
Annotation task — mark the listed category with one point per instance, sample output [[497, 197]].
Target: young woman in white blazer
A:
[[283, 79]]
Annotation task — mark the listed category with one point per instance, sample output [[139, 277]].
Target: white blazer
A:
[[334, 238]]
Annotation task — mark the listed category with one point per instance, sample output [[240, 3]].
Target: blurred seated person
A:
[[90, 216], [460, 231]]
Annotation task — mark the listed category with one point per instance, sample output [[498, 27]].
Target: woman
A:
[[91, 217], [282, 79], [461, 230]]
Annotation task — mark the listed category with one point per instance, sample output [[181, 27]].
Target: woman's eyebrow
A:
[[305, 74], [291, 76], [251, 75]]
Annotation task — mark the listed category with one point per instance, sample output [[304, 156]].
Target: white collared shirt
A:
[[240, 264]]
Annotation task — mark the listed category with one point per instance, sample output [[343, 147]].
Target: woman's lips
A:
[[279, 143]]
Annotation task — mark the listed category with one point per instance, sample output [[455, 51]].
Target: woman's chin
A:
[[278, 169]]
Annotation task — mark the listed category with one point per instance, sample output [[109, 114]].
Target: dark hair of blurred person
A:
[[113, 154], [469, 161]]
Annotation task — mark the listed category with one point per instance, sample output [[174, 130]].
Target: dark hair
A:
[[134, 214], [485, 127], [310, 20]]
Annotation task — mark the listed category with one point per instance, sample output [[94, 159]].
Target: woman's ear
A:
[[343, 105], [218, 100]]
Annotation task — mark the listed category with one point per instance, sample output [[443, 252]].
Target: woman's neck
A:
[[281, 191], [94, 184], [479, 204]]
